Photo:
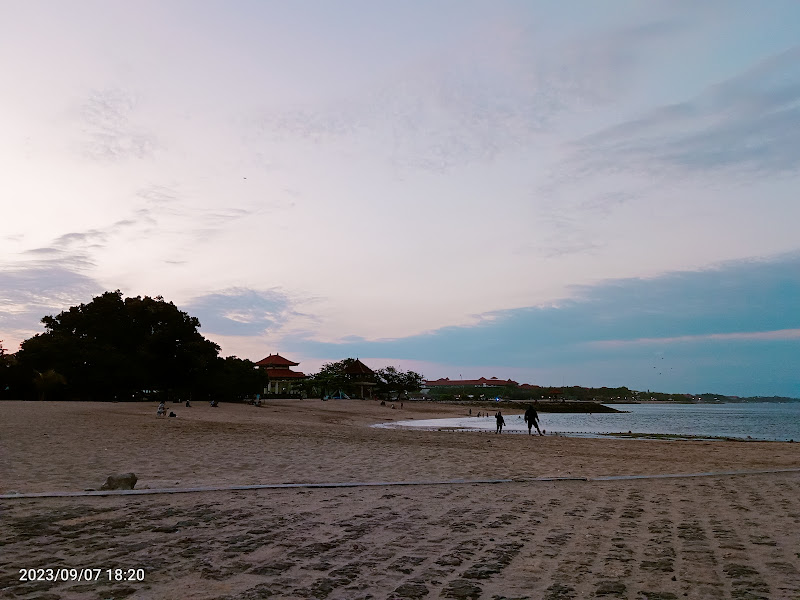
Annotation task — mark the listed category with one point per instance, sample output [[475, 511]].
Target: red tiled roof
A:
[[284, 374], [358, 368], [276, 360]]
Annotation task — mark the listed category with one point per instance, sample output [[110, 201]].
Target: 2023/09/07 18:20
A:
[[83, 574]]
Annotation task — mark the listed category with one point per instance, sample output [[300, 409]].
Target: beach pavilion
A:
[[360, 375], [280, 375]]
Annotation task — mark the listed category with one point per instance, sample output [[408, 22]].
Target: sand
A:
[[721, 536]]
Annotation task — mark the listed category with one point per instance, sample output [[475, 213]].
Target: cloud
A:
[[158, 194], [73, 248], [242, 311], [733, 300], [749, 122], [780, 334], [734, 329], [108, 123], [172, 208], [91, 237], [29, 293], [494, 91], [42, 251]]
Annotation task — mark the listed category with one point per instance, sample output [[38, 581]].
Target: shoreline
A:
[[588, 435], [662, 422]]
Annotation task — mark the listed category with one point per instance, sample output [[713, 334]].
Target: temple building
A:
[[281, 377], [360, 375]]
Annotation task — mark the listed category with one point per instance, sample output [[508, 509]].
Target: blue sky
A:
[[586, 193]]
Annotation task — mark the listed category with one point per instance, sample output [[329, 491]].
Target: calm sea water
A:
[[760, 421]]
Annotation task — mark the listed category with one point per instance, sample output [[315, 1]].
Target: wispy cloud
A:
[[242, 311], [734, 329], [30, 293], [172, 208], [159, 194], [780, 334], [750, 121], [734, 300], [492, 92], [75, 249], [111, 133]]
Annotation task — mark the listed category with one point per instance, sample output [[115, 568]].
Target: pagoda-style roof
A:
[[278, 373], [356, 367], [276, 360]]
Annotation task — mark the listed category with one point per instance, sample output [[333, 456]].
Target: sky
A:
[[563, 193]]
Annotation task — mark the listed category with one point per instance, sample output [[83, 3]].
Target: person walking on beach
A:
[[500, 422], [532, 419]]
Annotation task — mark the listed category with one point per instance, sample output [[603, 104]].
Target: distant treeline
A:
[[603, 395], [573, 393], [136, 348], [541, 406], [760, 399], [710, 398]]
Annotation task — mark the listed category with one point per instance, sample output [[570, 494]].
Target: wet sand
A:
[[730, 536]]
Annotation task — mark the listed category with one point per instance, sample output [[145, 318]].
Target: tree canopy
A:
[[394, 381], [334, 376], [128, 348], [14, 379], [122, 346]]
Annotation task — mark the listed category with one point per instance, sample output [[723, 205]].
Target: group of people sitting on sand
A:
[[162, 410]]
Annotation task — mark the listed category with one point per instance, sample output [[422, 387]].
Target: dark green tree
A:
[[332, 377], [123, 347], [16, 381], [394, 381], [234, 378], [49, 385]]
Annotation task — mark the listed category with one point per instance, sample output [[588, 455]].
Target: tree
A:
[[392, 380], [233, 378], [332, 378], [124, 347], [48, 384], [16, 380], [348, 375]]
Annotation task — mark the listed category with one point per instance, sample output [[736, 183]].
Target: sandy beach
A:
[[720, 536]]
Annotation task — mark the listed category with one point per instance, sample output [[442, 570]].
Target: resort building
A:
[[281, 377], [482, 382]]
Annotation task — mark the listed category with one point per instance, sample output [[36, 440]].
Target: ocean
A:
[[751, 420]]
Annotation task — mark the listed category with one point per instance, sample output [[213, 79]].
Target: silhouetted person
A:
[[532, 419], [500, 422]]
